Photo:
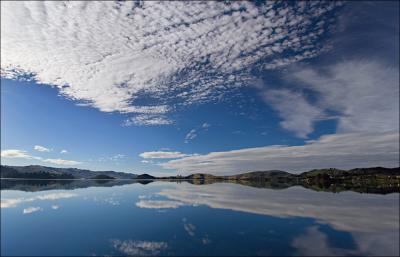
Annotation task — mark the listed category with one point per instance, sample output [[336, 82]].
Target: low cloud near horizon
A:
[[15, 153], [346, 151]]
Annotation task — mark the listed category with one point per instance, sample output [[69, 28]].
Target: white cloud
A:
[[111, 55], [31, 210], [13, 153], [62, 161], [41, 148], [117, 157], [238, 132], [55, 207], [148, 119], [349, 150], [190, 136], [64, 151], [364, 95], [114, 158], [297, 113], [206, 125], [162, 155]]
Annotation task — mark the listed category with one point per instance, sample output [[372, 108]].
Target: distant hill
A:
[[352, 172], [102, 176], [359, 179], [145, 176], [18, 172], [261, 175], [254, 175], [201, 176], [313, 176], [317, 173], [364, 180], [43, 172]]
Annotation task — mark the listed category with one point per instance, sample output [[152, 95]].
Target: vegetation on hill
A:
[[261, 175], [102, 176], [376, 179], [361, 180], [145, 176], [201, 176], [9, 172], [364, 180], [43, 172]]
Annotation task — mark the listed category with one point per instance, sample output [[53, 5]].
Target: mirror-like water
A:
[[168, 218]]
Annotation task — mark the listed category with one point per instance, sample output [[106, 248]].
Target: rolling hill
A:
[[43, 172]]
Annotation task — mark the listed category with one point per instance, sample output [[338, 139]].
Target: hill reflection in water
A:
[[40, 185], [125, 217]]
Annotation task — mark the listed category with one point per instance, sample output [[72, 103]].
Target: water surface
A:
[[169, 218]]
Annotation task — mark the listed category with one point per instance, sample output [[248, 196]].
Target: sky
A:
[[183, 87]]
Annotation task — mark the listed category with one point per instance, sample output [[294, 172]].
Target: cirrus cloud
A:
[[41, 148], [62, 161], [112, 55], [162, 155], [190, 136], [147, 119]]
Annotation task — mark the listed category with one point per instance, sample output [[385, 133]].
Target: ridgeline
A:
[[368, 180]]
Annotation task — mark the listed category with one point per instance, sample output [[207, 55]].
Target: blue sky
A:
[[173, 88]]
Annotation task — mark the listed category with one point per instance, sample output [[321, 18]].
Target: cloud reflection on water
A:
[[14, 202], [139, 248], [155, 204], [373, 220], [31, 210]]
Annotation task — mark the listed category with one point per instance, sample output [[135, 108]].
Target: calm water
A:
[[168, 218]]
